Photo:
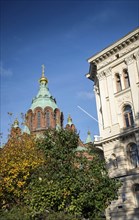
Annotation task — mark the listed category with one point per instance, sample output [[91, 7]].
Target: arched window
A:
[[31, 122], [38, 119], [114, 160], [133, 155], [118, 82], [136, 191], [56, 117], [47, 119], [128, 116], [126, 78]]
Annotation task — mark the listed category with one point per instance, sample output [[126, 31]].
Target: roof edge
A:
[[116, 43]]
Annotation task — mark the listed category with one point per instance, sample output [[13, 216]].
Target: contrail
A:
[[89, 114]]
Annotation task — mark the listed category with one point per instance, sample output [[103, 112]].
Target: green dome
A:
[[43, 98], [80, 148], [88, 139], [16, 124]]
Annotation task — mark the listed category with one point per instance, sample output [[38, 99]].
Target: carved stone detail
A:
[[123, 98], [101, 75], [128, 49], [107, 72], [129, 59], [137, 55]]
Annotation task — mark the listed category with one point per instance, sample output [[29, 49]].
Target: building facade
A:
[[115, 75]]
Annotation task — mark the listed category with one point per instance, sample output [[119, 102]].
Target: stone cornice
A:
[[123, 133], [116, 50], [136, 55]]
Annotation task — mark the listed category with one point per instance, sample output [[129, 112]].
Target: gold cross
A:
[[43, 68]]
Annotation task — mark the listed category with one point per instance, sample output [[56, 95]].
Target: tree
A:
[[68, 182], [18, 159]]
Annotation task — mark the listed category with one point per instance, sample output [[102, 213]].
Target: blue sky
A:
[[62, 35]]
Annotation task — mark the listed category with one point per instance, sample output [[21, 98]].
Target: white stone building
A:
[[115, 73]]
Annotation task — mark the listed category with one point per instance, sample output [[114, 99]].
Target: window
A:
[[31, 122], [126, 78], [128, 116], [118, 82], [38, 119], [56, 116], [47, 119], [136, 191], [133, 155], [114, 160]]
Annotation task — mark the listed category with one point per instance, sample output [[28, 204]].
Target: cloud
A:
[[6, 72], [85, 95]]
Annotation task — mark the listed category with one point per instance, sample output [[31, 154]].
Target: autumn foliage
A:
[[18, 159]]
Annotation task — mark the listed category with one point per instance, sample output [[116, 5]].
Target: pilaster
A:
[[132, 71]]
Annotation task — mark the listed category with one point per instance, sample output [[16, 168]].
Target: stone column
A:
[[103, 95], [112, 105], [99, 106], [133, 75], [136, 55]]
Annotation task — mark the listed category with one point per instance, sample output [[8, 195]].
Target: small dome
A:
[[43, 78], [16, 123], [69, 120], [88, 139]]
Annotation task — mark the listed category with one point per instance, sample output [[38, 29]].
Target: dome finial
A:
[[43, 78]]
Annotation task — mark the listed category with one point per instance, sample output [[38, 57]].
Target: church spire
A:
[[43, 78], [88, 139], [70, 124], [69, 120]]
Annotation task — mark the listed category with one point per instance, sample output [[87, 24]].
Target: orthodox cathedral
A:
[[44, 113]]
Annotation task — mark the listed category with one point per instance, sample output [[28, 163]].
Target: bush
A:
[[60, 216], [16, 213]]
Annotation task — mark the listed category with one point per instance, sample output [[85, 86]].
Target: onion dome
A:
[[15, 129], [69, 120], [88, 139], [43, 98], [43, 78], [70, 124], [16, 123]]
